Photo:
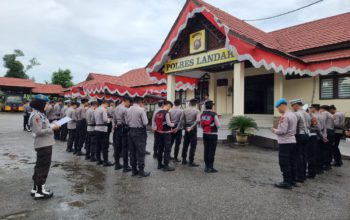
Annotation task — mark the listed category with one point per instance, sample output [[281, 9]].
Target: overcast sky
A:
[[114, 36]]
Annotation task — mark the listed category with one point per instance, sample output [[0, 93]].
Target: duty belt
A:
[[91, 124], [101, 125]]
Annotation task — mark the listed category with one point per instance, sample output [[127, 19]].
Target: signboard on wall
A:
[[199, 60], [198, 42]]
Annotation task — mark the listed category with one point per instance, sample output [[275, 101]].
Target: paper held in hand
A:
[[63, 121]]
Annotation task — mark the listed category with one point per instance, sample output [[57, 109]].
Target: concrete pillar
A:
[[238, 89], [278, 89], [212, 89], [171, 87]]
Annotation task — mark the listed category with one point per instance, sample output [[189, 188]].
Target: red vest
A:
[[208, 122], [161, 121]]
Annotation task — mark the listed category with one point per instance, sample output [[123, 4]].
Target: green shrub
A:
[[243, 125]]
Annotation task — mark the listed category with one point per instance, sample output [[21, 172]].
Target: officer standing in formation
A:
[[90, 144], [64, 129], [308, 141], [72, 128], [80, 115], [154, 128], [176, 115], [43, 141]]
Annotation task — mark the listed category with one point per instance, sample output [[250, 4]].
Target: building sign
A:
[[198, 42], [199, 60]]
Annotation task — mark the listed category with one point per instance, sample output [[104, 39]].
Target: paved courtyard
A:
[[243, 189]]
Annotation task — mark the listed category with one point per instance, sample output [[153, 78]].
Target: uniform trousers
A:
[[137, 138], [120, 144], [25, 121], [81, 134], [176, 138], [42, 165], [335, 149], [302, 148], [164, 148], [287, 161], [156, 142], [102, 145], [90, 144], [190, 138], [327, 148], [72, 140], [210, 143], [312, 152], [64, 132]]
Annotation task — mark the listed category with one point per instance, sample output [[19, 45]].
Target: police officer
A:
[[137, 121], [102, 135], [191, 119], [72, 127], [176, 115], [313, 146], [64, 129], [164, 129], [339, 121], [50, 113], [57, 109], [43, 141], [302, 138], [27, 111], [90, 144], [120, 136], [154, 128], [210, 124], [329, 142], [285, 132], [81, 126]]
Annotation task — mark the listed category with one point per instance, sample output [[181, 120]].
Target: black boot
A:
[[160, 166], [108, 164], [167, 169], [193, 164], [118, 166], [42, 193], [143, 173], [135, 172], [283, 185], [126, 169]]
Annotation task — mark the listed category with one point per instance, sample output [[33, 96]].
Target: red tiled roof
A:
[[323, 32], [47, 89], [16, 82], [134, 78], [331, 55]]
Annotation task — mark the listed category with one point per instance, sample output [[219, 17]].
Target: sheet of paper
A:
[[63, 121]]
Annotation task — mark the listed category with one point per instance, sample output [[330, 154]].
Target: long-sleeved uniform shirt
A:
[[304, 121], [191, 117], [42, 132], [328, 119], [119, 115], [176, 115], [339, 121], [136, 117], [90, 119], [101, 119], [64, 111], [286, 129], [57, 110], [80, 113], [71, 113], [50, 113]]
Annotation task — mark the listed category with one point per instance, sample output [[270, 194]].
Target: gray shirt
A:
[[328, 118], [119, 115], [64, 111], [90, 119], [41, 130], [176, 115], [339, 120], [136, 117], [71, 113], [80, 112], [304, 121], [50, 113], [315, 125], [57, 110], [101, 119], [191, 117], [286, 129]]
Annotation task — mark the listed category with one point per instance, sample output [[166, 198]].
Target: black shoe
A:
[[126, 169], [135, 173], [69, 150], [168, 169], [100, 162], [155, 156], [319, 172], [310, 176], [148, 153], [160, 166], [87, 157], [327, 167], [79, 153], [42, 193], [283, 185], [192, 164], [108, 164], [299, 180], [143, 173], [118, 166], [177, 160], [213, 170], [337, 164], [295, 184], [206, 169], [93, 159], [75, 152], [184, 162]]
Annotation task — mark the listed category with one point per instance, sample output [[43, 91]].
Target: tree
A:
[[15, 68], [62, 77]]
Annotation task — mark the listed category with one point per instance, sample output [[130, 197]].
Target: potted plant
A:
[[243, 126]]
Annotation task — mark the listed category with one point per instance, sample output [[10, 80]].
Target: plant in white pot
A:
[[243, 126]]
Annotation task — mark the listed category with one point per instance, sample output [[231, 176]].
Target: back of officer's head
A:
[[160, 103], [177, 102], [332, 109], [209, 105], [324, 108], [167, 105], [193, 102], [138, 100]]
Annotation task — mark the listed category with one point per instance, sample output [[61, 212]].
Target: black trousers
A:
[[90, 144], [64, 132], [176, 138], [312, 155], [25, 121], [81, 134], [156, 143], [319, 154], [42, 165], [335, 149], [137, 138], [210, 143], [327, 148], [102, 145], [120, 144], [190, 139], [164, 149], [302, 148], [287, 161], [72, 140]]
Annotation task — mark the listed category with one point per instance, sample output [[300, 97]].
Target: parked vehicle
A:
[[13, 102]]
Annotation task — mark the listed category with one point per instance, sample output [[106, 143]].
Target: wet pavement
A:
[[243, 189]]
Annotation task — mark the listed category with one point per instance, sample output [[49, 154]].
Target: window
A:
[[335, 86], [182, 96]]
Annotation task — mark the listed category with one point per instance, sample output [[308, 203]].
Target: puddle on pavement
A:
[[76, 204], [85, 178]]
